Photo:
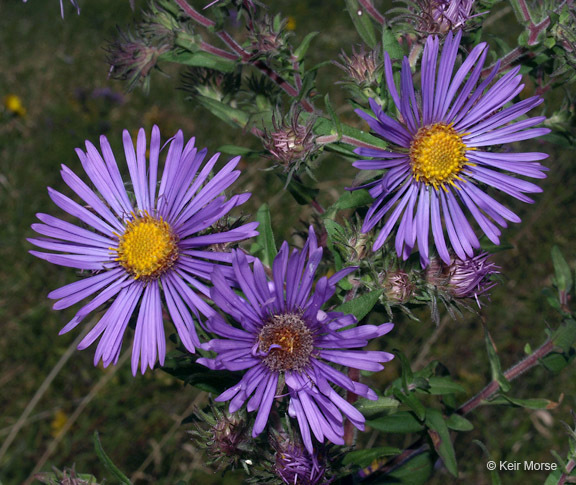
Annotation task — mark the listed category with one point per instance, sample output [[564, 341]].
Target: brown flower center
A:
[[287, 341]]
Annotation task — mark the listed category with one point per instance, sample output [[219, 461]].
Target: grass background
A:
[[57, 68]]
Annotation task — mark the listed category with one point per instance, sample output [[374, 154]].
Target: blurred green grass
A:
[[55, 66]]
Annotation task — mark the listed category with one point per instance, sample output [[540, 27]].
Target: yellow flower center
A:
[[438, 155], [148, 247], [288, 342]]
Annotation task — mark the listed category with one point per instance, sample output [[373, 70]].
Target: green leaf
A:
[[390, 44], [198, 59], [301, 50], [371, 408], [352, 200], [443, 385], [234, 117], [362, 22], [400, 422], [565, 336], [523, 403], [333, 116], [108, 462], [334, 231], [266, 237], [556, 362], [438, 432], [563, 275], [554, 477], [235, 150], [361, 306], [495, 366], [416, 471], [363, 458], [302, 193], [459, 423], [409, 399]]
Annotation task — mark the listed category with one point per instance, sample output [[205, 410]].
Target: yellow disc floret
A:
[[438, 155], [148, 247]]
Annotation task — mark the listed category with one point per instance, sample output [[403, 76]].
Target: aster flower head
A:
[[468, 278], [295, 464], [285, 334], [363, 67], [438, 168], [140, 250]]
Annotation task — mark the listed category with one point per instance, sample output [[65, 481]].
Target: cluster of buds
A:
[[463, 279], [224, 436], [267, 37], [290, 143], [437, 16], [363, 68]]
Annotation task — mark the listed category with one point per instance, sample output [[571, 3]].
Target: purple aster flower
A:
[[285, 333], [438, 165], [141, 249], [470, 278], [73, 2], [294, 464]]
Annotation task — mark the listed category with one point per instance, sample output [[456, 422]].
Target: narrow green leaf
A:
[[438, 432], [333, 116], [565, 336], [443, 385], [390, 44], [232, 116], [556, 362], [409, 399], [362, 22], [334, 230], [301, 50], [352, 200], [554, 477], [563, 275], [198, 59], [459, 423], [235, 150], [400, 422], [371, 408], [266, 237], [416, 471], [523, 403], [495, 366], [108, 462], [361, 306], [364, 458]]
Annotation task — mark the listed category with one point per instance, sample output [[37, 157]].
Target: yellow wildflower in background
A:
[[13, 104]]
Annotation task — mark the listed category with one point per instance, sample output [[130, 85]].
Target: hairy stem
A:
[[369, 7]]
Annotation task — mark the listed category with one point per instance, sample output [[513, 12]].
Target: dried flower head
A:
[[291, 143], [267, 36], [398, 287], [224, 436], [363, 67], [133, 56]]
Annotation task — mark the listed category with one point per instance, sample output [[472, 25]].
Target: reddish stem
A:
[[377, 16]]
